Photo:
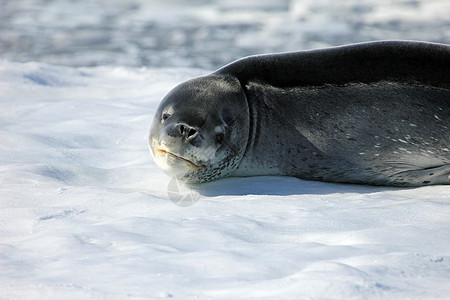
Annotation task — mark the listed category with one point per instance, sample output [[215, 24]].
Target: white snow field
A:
[[85, 213]]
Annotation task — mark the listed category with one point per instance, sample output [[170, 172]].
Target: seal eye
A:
[[220, 137], [165, 116]]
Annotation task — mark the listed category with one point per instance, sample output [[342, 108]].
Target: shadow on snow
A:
[[281, 186]]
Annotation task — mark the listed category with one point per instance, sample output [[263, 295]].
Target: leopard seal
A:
[[374, 113]]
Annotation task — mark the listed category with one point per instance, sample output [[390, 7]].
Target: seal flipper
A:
[[428, 176]]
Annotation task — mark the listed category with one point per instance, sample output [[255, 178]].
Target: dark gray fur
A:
[[373, 113]]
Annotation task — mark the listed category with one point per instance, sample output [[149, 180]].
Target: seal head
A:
[[201, 128]]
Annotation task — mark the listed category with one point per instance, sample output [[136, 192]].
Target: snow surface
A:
[[86, 214], [204, 33]]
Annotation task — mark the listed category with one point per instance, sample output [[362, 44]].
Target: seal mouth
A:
[[191, 164]]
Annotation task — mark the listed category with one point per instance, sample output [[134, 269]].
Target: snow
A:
[[86, 214], [203, 34]]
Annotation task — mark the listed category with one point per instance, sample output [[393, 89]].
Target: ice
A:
[[203, 34], [86, 214]]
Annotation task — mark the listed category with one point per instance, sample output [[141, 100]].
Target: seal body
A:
[[373, 113]]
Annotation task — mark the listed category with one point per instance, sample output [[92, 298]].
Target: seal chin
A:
[[172, 163], [190, 164]]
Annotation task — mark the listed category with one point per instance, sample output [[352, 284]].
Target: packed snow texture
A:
[[86, 214]]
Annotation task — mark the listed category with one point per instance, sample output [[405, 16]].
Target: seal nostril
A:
[[186, 131], [191, 132], [182, 129]]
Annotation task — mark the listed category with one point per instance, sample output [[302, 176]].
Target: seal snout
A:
[[186, 131], [182, 131]]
